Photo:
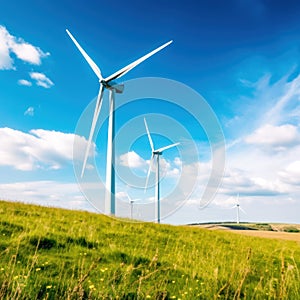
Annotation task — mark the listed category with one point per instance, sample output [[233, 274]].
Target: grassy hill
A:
[[48, 253]]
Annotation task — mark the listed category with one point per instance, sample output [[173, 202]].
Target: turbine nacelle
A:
[[157, 152], [118, 88]]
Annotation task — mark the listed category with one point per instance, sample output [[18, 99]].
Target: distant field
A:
[[271, 234], [273, 231], [48, 253]]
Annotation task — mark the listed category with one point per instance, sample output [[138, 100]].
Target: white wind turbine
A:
[[109, 84], [238, 208], [156, 153], [131, 202]]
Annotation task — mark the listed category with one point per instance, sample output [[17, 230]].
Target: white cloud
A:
[[24, 82], [122, 195], [132, 160], [6, 62], [173, 172], [27, 52], [49, 193], [29, 111], [268, 102], [272, 173], [238, 181], [291, 174], [24, 51], [286, 95], [38, 149], [294, 168], [274, 136], [41, 79], [268, 122], [177, 162]]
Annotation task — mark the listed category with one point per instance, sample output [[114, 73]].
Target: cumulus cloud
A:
[[29, 111], [132, 160], [38, 149], [27, 52], [275, 136], [41, 79], [24, 82], [291, 173], [238, 181], [24, 51]]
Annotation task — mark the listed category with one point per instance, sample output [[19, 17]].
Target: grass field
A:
[[48, 253]]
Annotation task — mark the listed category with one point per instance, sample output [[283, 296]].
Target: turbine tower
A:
[[156, 153], [109, 84]]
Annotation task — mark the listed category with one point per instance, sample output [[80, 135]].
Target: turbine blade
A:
[[129, 198], [149, 136], [243, 210], [94, 122], [167, 147], [85, 55], [126, 69], [149, 170]]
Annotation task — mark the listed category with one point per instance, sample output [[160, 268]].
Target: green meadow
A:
[[49, 253]]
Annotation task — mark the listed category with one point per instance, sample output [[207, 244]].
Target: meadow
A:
[[49, 253]]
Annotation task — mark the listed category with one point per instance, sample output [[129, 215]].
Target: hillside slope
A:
[[48, 253]]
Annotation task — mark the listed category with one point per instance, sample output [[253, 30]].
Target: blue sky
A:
[[241, 56]]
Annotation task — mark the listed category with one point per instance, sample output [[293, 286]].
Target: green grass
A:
[[48, 253]]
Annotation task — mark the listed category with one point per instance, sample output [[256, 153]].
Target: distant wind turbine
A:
[[131, 202], [156, 153], [109, 84], [238, 208]]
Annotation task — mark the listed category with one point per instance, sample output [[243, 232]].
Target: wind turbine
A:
[[238, 208], [156, 153], [109, 84], [131, 201]]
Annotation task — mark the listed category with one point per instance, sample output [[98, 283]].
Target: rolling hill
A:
[[49, 253]]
